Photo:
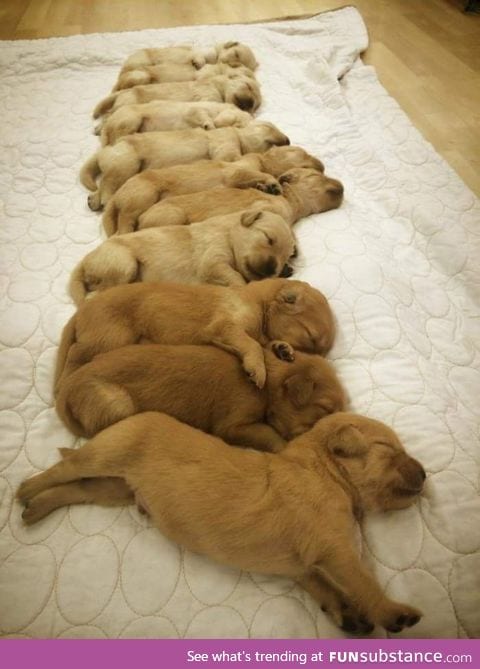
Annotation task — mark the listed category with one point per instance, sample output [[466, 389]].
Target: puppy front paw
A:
[[256, 372], [400, 616], [283, 350], [271, 187]]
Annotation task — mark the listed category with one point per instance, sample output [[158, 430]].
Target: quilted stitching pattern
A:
[[399, 262]]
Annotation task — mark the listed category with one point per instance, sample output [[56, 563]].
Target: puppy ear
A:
[[248, 218], [229, 45], [347, 442], [299, 390], [290, 298]]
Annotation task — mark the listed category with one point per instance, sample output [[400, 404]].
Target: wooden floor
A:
[[427, 53]]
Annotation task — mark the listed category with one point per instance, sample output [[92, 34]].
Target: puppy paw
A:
[[271, 187], [283, 350], [256, 373], [345, 615], [29, 489], [400, 616], [93, 201]]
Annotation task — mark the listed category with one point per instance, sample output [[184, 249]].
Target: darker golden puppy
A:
[[204, 387], [290, 513], [239, 320]]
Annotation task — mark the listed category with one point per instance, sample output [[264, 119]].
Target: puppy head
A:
[[300, 315], [385, 476], [235, 53], [260, 136], [243, 92], [300, 393], [262, 244], [280, 159], [315, 190]]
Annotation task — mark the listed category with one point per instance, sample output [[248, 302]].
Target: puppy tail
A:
[[109, 220], [68, 338], [90, 172], [77, 287], [104, 105]]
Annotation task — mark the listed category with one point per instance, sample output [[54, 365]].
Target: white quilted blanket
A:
[[399, 262]]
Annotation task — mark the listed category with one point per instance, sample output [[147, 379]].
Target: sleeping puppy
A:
[[167, 115], [238, 319], [243, 92], [290, 513], [204, 387], [145, 189], [226, 250], [232, 53], [305, 192], [141, 151], [167, 72]]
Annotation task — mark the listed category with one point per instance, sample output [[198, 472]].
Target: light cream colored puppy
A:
[[232, 53], [254, 170], [305, 192], [243, 92], [167, 72], [168, 115], [141, 151], [226, 250], [290, 513]]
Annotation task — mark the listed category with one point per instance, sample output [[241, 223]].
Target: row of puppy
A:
[[229, 354]]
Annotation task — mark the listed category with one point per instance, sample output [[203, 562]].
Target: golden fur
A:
[[239, 320], [225, 250], [232, 53], [241, 91], [167, 115], [253, 170], [204, 387], [304, 192], [140, 151], [167, 72], [290, 513]]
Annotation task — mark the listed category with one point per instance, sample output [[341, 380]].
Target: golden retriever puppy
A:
[[141, 151], [290, 513], [238, 319], [232, 53], [244, 92], [168, 72], [143, 190], [225, 250], [305, 192], [204, 387], [167, 115]]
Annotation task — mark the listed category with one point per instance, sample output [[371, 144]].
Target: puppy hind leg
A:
[[346, 573], [110, 453], [111, 264], [337, 607], [107, 491], [118, 163], [103, 404], [162, 214]]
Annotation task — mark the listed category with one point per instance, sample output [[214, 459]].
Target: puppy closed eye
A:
[[269, 239]]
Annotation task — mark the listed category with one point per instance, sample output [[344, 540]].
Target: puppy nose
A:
[[286, 142], [286, 272], [335, 187]]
